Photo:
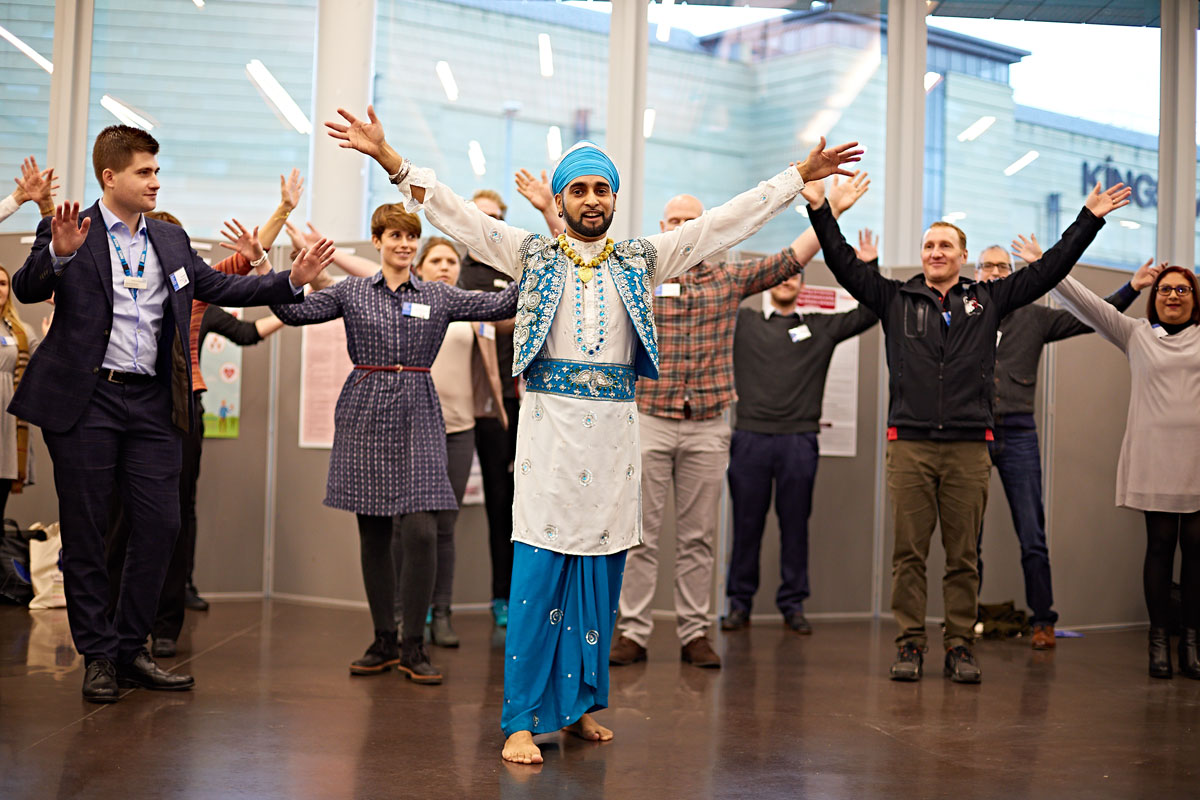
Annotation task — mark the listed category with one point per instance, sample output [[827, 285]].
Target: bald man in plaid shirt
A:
[[684, 431]]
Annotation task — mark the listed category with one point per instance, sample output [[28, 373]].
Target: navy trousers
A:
[[1015, 455], [758, 462], [123, 444]]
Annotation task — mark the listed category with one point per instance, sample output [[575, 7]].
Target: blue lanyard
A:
[[125, 264]]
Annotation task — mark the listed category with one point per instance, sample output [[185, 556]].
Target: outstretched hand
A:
[[844, 194], [1102, 202], [537, 192], [814, 193], [365, 136], [311, 262], [1146, 275], [824, 161], [290, 189], [868, 246], [242, 241], [34, 184], [67, 233], [1028, 250], [302, 239]]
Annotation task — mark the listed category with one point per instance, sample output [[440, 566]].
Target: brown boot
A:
[[625, 651], [699, 652], [1043, 637]]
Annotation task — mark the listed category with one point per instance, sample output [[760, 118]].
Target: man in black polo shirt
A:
[[495, 446], [1014, 451], [780, 362], [940, 334]]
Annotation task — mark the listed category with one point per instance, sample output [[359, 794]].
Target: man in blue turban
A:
[[584, 334]]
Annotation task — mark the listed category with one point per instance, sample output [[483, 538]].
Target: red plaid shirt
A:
[[695, 335]]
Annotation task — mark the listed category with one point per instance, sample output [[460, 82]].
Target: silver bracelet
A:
[[402, 173], [258, 262]]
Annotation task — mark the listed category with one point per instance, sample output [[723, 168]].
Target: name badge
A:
[[132, 282], [1159, 331], [800, 333], [667, 290], [487, 330], [499, 283], [418, 310], [8, 341], [179, 279]]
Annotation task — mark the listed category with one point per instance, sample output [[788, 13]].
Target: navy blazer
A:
[[62, 373]]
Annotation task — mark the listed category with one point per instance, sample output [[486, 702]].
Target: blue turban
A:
[[584, 158]]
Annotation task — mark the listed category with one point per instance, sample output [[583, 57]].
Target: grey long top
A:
[[1159, 467]]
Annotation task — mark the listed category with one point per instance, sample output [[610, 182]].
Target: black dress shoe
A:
[[193, 601], [164, 648], [738, 619], [144, 673], [798, 623], [100, 682]]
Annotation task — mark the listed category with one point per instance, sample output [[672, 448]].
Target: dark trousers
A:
[[756, 462], [497, 448], [168, 620], [124, 441], [417, 538], [1165, 530], [1016, 457]]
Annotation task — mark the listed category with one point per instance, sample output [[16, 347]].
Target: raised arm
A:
[[1081, 301], [1027, 285], [34, 184], [290, 189], [723, 227], [497, 243], [538, 193], [1064, 324], [317, 307], [349, 263], [865, 284], [483, 306]]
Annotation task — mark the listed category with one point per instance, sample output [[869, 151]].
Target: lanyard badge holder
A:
[[131, 282]]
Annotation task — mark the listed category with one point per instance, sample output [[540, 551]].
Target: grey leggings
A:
[[414, 535], [460, 448]]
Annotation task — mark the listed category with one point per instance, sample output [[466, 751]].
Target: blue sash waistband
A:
[[581, 379]]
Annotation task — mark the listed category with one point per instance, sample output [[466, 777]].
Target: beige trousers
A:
[[691, 456]]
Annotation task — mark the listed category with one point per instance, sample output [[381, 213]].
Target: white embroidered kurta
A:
[[578, 462]]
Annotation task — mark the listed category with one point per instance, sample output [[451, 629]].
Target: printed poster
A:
[[221, 368]]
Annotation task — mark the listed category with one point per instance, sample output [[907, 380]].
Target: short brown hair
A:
[[392, 216], [962, 237], [1152, 310], [163, 216], [494, 196], [115, 146]]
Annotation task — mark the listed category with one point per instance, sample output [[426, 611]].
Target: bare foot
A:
[[520, 749], [587, 728]]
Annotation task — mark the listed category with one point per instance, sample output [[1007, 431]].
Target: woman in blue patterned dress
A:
[[388, 463]]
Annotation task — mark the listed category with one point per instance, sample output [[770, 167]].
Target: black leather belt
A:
[[138, 378]]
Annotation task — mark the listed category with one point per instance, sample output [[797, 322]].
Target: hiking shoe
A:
[[961, 666], [908, 664]]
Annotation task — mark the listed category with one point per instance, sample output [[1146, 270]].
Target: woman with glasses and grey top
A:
[[1159, 468]]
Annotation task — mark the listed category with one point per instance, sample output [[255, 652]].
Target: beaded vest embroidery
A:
[[547, 272]]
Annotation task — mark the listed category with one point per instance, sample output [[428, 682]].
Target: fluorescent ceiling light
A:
[[199, 3], [663, 33], [37, 57], [976, 128], [1128, 223], [648, 122], [126, 114], [554, 143], [1021, 163], [954, 216], [447, 78], [545, 54], [277, 96], [478, 163], [932, 79]]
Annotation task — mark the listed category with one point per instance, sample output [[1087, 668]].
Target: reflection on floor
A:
[[276, 715]]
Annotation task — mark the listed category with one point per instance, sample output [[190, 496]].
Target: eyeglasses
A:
[[1182, 291], [999, 266]]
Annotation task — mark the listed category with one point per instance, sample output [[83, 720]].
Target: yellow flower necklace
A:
[[585, 270]]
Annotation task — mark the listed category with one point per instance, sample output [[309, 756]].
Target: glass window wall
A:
[[26, 50]]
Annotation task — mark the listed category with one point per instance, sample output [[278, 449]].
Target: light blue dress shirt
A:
[[133, 343]]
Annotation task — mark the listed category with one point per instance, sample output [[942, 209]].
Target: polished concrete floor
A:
[[275, 715]]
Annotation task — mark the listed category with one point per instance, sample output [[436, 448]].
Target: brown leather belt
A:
[[371, 369]]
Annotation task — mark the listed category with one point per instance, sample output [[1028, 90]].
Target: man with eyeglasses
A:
[[1014, 452]]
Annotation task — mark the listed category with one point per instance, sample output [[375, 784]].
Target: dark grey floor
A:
[[275, 715]]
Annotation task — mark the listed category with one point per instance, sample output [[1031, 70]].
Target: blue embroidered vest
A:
[[545, 274]]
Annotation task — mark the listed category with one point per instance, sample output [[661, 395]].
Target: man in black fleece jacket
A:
[[1014, 450], [940, 333]]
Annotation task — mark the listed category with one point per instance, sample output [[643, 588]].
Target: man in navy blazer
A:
[[110, 386]]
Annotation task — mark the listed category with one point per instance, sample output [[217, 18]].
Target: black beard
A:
[[589, 228]]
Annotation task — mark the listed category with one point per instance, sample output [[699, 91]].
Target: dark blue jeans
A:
[[1016, 457], [756, 461]]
